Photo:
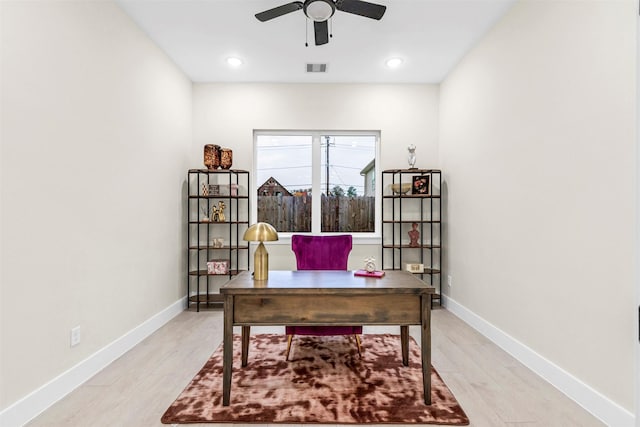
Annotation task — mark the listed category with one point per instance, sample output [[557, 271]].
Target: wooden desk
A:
[[327, 298]]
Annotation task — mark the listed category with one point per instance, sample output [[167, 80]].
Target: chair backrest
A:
[[321, 252]]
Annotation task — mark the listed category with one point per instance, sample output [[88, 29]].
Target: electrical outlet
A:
[[75, 336], [449, 280]]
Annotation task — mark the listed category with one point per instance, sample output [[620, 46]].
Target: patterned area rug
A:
[[325, 381]]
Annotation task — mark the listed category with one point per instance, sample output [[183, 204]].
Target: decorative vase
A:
[[414, 235], [212, 156], [226, 158]]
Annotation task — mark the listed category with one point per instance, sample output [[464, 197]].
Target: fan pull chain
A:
[[306, 32], [331, 28]]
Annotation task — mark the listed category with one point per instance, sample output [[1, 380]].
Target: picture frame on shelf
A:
[[421, 184]]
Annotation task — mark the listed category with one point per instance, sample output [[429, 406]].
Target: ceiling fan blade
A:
[[362, 8], [279, 11], [322, 32]]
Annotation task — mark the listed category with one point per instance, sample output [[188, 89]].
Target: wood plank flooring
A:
[[493, 388]]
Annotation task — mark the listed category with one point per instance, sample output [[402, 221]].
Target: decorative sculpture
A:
[[370, 264], [412, 156], [221, 207], [414, 235], [217, 212]]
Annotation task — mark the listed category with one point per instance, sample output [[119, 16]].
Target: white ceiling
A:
[[430, 35]]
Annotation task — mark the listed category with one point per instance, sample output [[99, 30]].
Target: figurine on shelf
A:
[[414, 236], [412, 156], [221, 207], [370, 264], [205, 214], [217, 213]]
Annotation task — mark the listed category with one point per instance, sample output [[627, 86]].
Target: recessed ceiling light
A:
[[394, 62], [234, 62]]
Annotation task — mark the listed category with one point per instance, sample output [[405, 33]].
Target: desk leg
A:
[[425, 344], [246, 332], [404, 344], [227, 355]]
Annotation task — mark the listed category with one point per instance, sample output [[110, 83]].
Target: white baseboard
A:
[[591, 400], [30, 406]]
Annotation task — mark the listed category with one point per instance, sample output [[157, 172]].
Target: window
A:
[[340, 167]]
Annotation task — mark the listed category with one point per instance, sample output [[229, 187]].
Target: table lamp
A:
[[261, 232]]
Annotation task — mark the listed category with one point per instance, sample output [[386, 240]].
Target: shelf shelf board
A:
[[411, 247], [410, 171], [411, 221], [215, 171], [224, 248], [426, 270], [220, 196], [204, 273], [411, 196], [218, 222]]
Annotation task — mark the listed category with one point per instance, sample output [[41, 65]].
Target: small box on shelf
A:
[[218, 266], [413, 267]]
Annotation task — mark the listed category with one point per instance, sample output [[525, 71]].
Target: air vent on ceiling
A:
[[316, 68]]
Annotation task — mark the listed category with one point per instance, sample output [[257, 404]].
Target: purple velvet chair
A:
[[322, 253]]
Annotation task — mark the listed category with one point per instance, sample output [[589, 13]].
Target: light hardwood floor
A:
[[493, 388]]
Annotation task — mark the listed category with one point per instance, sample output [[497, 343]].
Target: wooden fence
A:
[[339, 214]]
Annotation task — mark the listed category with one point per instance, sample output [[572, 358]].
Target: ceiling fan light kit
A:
[[320, 11]]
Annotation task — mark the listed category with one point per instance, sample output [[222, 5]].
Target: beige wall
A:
[[538, 148], [96, 131], [227, 114]]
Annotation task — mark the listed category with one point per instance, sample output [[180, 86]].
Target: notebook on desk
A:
[[365, 273]]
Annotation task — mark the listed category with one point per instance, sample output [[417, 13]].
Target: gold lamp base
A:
[[259, 232], [261, 263]]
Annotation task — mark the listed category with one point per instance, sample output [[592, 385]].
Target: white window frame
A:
[[358, 237]]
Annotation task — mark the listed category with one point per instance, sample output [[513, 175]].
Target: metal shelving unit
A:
[[206, 189], [404, 207]]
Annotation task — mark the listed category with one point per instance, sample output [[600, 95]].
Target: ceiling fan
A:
[[319, 11]]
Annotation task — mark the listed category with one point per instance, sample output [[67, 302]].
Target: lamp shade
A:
[[260, 232]]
